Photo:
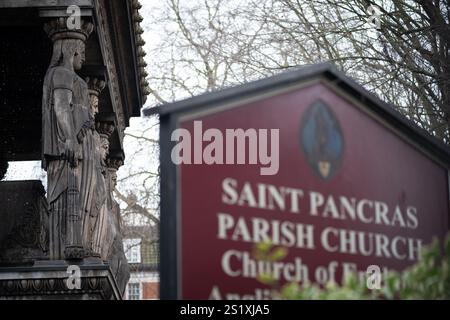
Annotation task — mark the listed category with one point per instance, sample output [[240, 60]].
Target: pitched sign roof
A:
[[320, 167]]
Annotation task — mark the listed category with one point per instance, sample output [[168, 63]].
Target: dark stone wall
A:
[[24, 222]]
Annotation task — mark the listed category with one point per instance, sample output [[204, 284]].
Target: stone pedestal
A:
[[24, 223], [26, 272], [53, 280]]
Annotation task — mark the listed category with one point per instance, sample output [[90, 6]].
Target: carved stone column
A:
[[116, 254], [105, 230], [113, 164], [100, 226], [67, 140], [107, 241]]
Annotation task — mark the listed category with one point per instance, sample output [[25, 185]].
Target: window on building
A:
[[150, 254], [132, 248], [134, 291]]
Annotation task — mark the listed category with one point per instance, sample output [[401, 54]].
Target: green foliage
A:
[[429, 278]]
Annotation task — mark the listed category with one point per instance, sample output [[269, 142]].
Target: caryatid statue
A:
[[99, 225], [95, 225], [116, 255], [68, 142]]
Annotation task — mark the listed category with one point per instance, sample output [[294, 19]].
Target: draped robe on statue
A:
[[57, 166]]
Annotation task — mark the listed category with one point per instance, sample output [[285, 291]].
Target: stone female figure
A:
[[98, 225], [68, 143]]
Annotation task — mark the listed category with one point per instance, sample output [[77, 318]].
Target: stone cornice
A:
[[107, 52]]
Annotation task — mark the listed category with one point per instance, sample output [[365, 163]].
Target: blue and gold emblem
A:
[[322, 140]]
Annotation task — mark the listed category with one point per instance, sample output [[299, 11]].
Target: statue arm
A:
[[63, 100], [62, 97]]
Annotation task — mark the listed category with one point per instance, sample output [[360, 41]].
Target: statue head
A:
[[68, 53], [68, 43], [93, 99], [113, 166], [79, 56], [104, 151], [113, 179], [95, 86]]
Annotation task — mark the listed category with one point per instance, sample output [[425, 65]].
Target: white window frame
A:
[[139, 285], [132, 248]]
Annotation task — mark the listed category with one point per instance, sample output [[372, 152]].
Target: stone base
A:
[[49, 280], [24, 223]]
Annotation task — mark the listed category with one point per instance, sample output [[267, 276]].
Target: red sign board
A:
[[351, 190]]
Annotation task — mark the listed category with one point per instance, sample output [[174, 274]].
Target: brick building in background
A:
[[141, 246]]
